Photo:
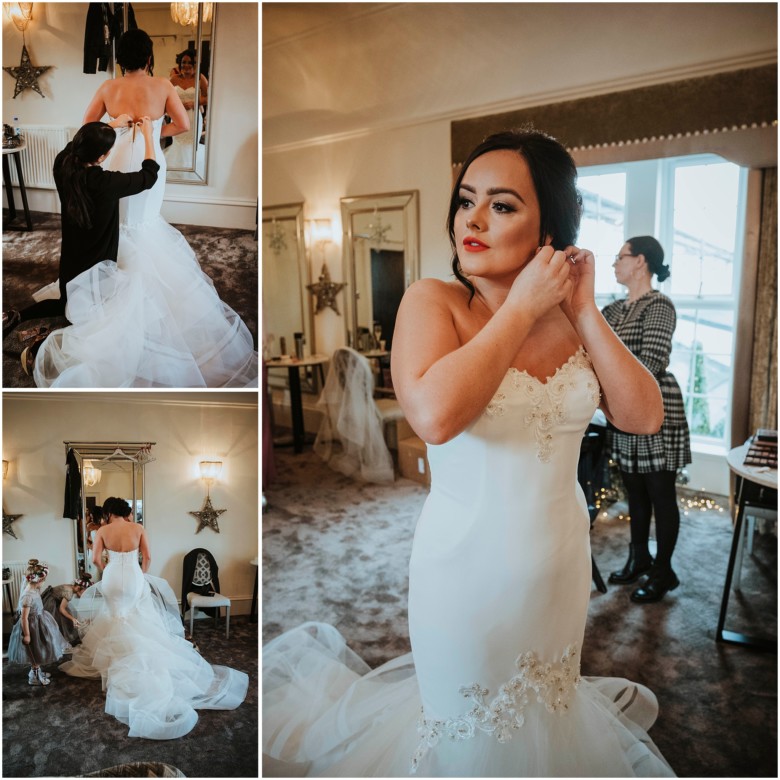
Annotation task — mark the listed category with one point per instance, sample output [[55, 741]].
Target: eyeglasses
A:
[[625, 254]]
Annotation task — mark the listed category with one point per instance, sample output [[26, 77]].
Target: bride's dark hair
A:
[[117, 507], [134, 50], [89, 144], [554, 175]]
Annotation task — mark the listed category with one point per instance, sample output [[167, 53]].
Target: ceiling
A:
[[331, 70]]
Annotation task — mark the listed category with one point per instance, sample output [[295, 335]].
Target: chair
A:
[[200, 587], [352, 418]]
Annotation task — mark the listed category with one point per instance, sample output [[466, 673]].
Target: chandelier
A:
[[91, 474], [187, 13]]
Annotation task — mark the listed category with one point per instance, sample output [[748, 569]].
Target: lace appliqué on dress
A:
[[553, 684], [547, 399]]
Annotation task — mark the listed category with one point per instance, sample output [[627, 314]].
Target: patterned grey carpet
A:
[[30, 261], [337, 551], [63, 731]]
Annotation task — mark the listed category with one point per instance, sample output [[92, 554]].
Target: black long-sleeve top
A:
[[82, 248]]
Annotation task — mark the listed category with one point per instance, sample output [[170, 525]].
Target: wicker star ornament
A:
[[26, 74]]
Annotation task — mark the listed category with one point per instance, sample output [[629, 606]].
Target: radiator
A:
[[44, 143]]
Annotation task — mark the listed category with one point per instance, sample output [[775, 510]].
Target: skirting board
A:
[[236, 214]]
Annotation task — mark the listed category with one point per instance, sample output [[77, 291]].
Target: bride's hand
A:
[[582, 273], [543, 282]]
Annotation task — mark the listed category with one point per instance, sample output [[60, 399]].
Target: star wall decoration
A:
[[26, 74], [326, 291], [8, 521], [208, 516]]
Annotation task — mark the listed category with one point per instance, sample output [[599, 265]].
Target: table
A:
[[293, 366], [9, 190], [754, 487]]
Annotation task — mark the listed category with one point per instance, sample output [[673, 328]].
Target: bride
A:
[[132, 638], [500, 371], [153, 318]]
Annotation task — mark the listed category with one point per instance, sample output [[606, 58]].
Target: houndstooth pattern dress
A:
[[646, 327]]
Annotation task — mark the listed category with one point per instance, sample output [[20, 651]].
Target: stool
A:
[[207, 602]]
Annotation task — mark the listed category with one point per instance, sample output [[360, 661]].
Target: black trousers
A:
[[651, 494]]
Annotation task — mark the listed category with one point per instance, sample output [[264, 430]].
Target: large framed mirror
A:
[[381, 259], [183, 53], [287, 306], [106, 469]]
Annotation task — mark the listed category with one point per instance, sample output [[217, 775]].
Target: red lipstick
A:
[[472, 244]]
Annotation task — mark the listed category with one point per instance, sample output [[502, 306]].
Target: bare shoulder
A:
[[435, 292]]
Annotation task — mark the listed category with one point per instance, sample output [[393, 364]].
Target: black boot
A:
[[658, 583], [639, 562]]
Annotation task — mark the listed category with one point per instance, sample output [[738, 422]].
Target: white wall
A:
[[56, 37], [185, 427]]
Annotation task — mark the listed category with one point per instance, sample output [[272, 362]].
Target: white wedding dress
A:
[[132, 638], [153, 318], [179, 153], [500, 579]]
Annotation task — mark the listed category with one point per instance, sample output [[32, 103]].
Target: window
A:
[[695, 207]]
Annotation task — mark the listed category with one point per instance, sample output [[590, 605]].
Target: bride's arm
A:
[[97, 549], [96, 108], [180, 121], [144, 547], [443, 386]]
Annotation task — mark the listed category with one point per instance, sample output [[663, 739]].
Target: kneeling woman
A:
[[89, 198]]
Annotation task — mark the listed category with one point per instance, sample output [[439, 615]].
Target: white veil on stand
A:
[[351, 438]]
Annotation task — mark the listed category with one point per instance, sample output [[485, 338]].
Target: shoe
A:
[[29, 352], [11, 319], [36, 677], [639, 562], [656, 586]]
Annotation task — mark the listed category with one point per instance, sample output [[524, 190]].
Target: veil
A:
[[351, 439]]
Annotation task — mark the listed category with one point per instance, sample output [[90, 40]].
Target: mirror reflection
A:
[[183, 53], [287, 308], [381, 259], [105, 469]]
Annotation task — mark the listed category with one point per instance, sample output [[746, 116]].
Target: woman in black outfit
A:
[[89, 198], [645, 322]]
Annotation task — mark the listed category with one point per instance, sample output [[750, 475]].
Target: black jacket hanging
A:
[[72, 487], [103, 28]]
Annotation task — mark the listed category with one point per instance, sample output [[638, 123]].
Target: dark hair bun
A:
[[662, 273]]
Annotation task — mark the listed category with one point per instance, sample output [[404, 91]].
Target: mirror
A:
[[106, 469], [381, 259], [287, 307], [186, 155]]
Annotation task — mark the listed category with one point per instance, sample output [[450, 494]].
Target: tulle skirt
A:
[[47, 644], [326, 714], [153, 319], [52, 606], [153, 678]]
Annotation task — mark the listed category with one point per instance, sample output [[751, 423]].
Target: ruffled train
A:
[[153, 319], [153, 678], [325, 713]]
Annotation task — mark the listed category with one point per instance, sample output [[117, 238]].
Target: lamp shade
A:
[[210, 469]]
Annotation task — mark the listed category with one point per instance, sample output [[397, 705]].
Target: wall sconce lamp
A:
[[210, 471], [91, 474], [5, 469], [19, 13]]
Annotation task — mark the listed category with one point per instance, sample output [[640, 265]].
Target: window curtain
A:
[[733, 114], [763, 380]]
